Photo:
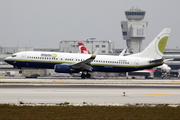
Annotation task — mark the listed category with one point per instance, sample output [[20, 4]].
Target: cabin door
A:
[[136, 63], [23, 56]]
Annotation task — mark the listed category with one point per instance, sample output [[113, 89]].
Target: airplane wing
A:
[[168, 59], [84, 65]]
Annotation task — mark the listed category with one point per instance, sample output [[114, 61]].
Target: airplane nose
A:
[[6, 59]]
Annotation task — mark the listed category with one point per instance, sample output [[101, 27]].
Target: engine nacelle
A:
[[61, 68]]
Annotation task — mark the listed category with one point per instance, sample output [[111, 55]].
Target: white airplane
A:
[[150, 57], [165, 67]]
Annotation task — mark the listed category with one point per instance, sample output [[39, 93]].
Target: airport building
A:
[[104, 46], [172, 57]]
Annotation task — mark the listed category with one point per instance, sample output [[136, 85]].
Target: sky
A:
[[43, 23]]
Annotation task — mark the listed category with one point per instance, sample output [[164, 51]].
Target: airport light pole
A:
[[92, 43]]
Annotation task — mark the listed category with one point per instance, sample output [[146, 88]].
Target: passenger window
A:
[[14, 55]]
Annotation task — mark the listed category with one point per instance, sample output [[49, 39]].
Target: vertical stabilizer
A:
[[156, 48], [83, 49]]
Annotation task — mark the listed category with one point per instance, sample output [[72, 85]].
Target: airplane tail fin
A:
[[156, 48], [83, 49]]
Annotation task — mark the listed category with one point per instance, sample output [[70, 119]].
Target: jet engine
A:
[[63, 68]]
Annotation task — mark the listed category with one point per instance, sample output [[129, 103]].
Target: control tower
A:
[[134, 30]]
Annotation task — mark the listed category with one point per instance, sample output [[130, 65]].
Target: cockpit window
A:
[[14, 55]]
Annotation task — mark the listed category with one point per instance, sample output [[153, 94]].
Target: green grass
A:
[[68, 112]]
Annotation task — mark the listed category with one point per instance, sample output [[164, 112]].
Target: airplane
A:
[[83, 49], [165, 67], [150, 57]]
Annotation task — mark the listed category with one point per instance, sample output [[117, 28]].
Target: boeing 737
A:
[[150, 57]]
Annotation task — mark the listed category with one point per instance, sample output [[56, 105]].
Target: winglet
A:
[[93, 56], [95, 53], [122, 53]]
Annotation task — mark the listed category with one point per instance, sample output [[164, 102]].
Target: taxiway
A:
[[93, 91]]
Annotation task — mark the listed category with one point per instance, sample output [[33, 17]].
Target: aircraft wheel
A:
[[83, 76], [20, 72], [88, 75]]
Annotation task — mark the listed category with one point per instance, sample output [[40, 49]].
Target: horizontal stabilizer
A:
[[156, 61], [169, 59]]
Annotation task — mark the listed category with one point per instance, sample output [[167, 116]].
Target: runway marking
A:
[[39, 85], [55, 81], [157, 94], [172, 82]]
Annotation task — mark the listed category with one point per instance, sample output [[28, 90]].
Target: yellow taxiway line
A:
[[173, 82], [157, 94], [55, 82]]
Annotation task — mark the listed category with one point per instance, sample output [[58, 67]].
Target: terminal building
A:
[[104, 46], [174, 60]]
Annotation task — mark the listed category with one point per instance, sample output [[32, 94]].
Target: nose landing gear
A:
[[20, 71]]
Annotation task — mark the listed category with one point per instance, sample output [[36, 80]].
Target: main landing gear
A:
[[20, 71], [83, 75]]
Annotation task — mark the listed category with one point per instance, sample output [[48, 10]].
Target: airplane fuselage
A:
[[102, 63]]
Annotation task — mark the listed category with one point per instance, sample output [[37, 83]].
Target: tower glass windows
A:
[[135, 13], [103, 46], [125, 33]]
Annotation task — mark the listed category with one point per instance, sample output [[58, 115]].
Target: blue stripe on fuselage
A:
[[119, 69], [44, 65], [47, 65]]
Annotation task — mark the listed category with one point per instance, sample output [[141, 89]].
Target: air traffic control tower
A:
[[134, 30]]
